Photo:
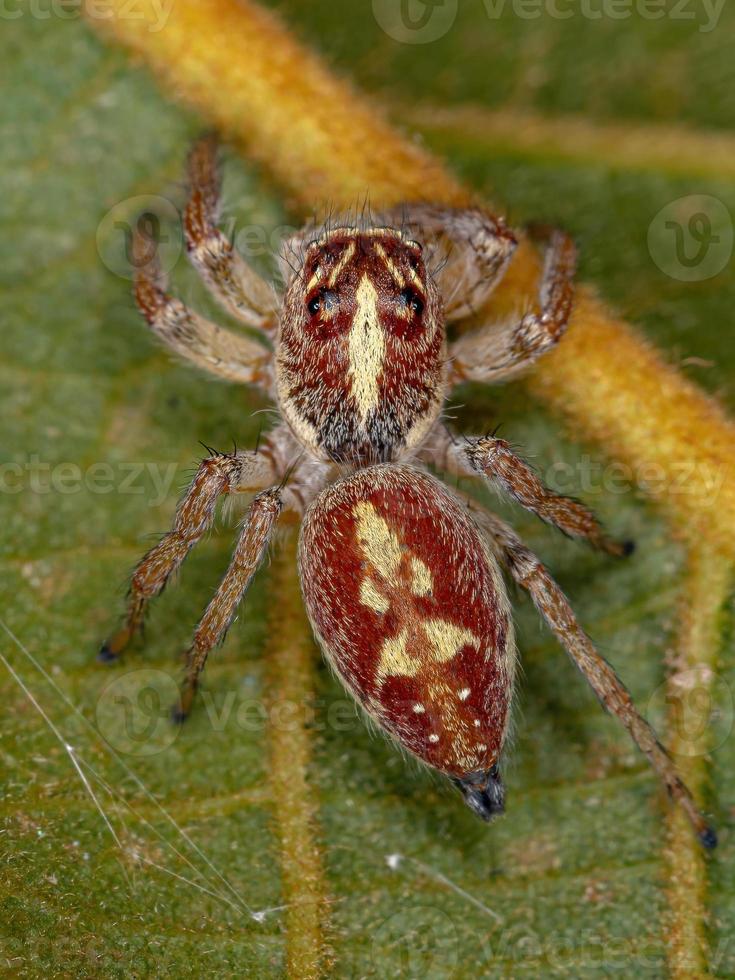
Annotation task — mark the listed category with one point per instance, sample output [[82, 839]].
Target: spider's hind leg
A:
[[553, 605], [495, 460], [257, 529], [217, 475]]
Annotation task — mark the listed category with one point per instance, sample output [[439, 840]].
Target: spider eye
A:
[[413, 301], [322, 302]]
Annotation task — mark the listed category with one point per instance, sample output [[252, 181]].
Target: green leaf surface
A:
[[114, 874]]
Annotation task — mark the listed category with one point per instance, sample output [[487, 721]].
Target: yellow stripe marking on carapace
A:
[[346, 257], [366, 349], [390, 266]]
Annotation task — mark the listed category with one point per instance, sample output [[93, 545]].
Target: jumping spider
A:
[[400, 576]]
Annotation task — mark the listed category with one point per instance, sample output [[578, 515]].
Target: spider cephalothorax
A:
[[361, 353], [401, 576]]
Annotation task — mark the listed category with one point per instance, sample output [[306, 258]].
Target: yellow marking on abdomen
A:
[[369, 596], [420, 641]]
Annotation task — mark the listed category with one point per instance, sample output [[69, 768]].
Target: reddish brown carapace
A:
[[361, 361]]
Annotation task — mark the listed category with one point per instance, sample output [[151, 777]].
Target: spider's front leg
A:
[[231, 280], [495, 460], [467, 250], [471, 250], [531, 575], [190, 335], [498, 351], [218, 474]]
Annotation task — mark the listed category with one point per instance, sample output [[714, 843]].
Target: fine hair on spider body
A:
[[402, 577]]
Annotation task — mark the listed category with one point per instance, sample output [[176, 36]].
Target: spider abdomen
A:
[[410, 609]]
